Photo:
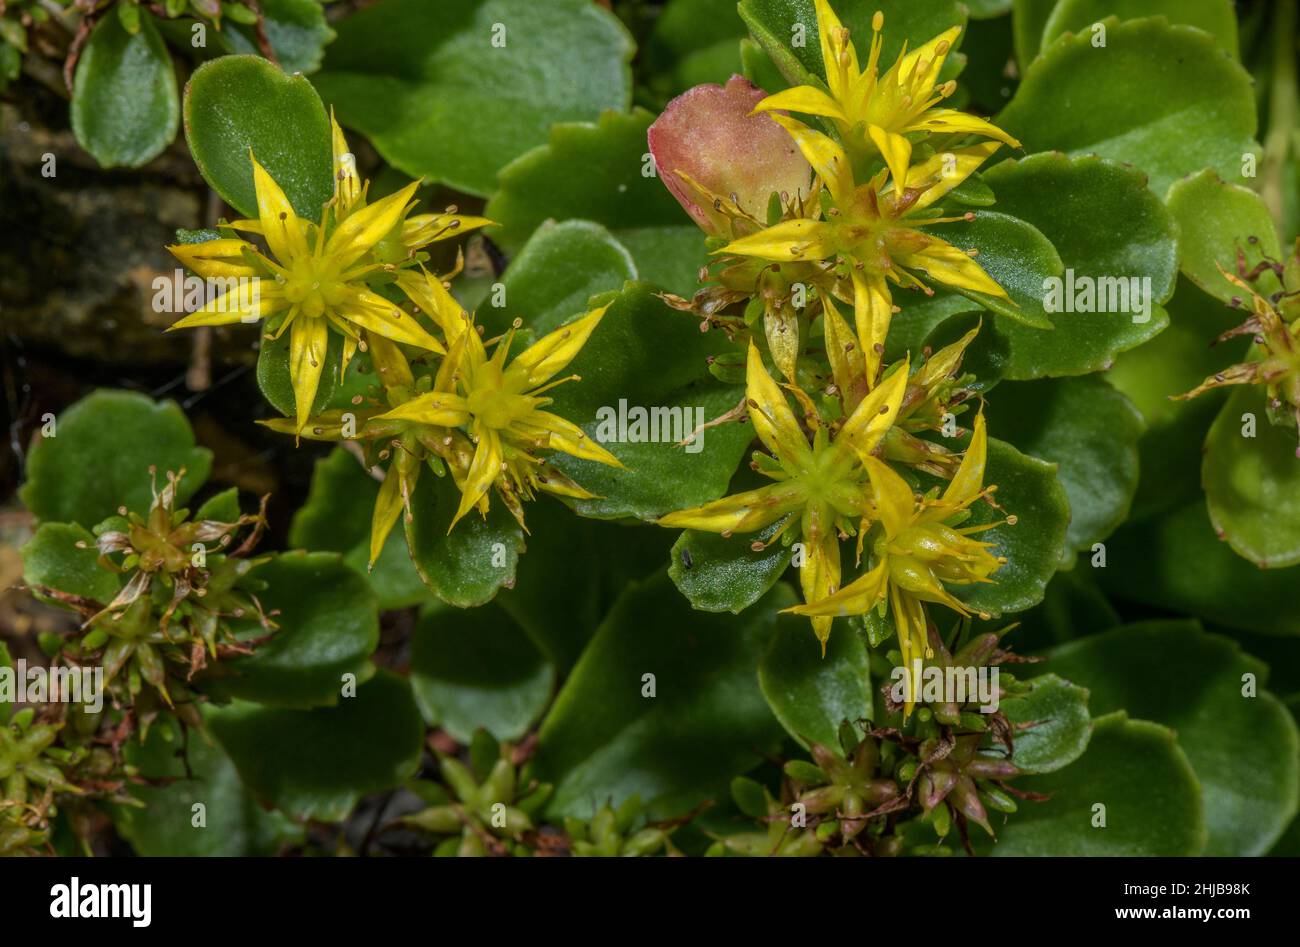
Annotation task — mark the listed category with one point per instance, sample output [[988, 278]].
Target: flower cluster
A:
[[445, 402], [844, 225]]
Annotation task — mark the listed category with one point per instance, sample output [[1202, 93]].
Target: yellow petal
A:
[[848, 368], [742, 513], [951, 266], [951, 121], [357, 235], [819, 576], [919, 69], [439, 408], [422, 229], [910, 626], [806, 99], [774, 422], [824, 154], [249, 301], [800, 239], [857, 598], [482, 471], [875, 415], [894, 503], [564, 435], [873, 310], [283, 230], [945, 362], [895, 149], [376, 314], [393, 368], [838, 55], [554, 350], [388, 506], [347, 184], [942, 172], [215, 258], [435, 301], [968, 481], [308, 339]]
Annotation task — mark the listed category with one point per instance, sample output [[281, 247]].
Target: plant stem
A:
[[1281, 111]]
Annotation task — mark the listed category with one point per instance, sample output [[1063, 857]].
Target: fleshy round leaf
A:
[[560, 268], [1252, 483], [1216, 220], [1242, 744], [233, 823], [1028, 17], [1175, 562], [328, 627], [1135, 776], [100, 455], [1016, 255], [724, 574], [811, 693], [1106, 226], [316, 764], [604, 741], [454, 91], [296, 30], [1163, 98], [63, 557], [1029, 490], [464, 567], [692, 42], [235, 104], [1216, 17], [475, 668], [572, 571], [125, 108], [1090, 431], [336, 518], [1061, 727], [1175, 361], [645, 356], [616, 188]]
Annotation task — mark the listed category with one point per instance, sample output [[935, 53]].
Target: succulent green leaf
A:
[[1090, 431], [475, 668], [813, 693], [238, 104], [455, 91], [1142, 781], [603, 740], [1057, 712], [125, 108], [1163, 98], [1106, 226], [316, 764], [99, 458], [616, 188], [1239, 738]]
